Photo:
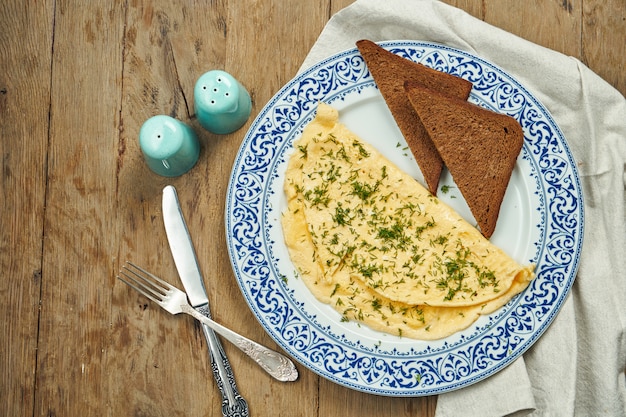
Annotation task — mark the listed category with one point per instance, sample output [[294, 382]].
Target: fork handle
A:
[[274, 363]]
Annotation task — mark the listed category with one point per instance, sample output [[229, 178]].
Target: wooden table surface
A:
[[77, 80]]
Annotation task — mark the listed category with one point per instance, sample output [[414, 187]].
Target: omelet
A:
[[372, 242]]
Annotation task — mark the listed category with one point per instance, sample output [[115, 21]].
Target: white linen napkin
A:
[[578, 366]]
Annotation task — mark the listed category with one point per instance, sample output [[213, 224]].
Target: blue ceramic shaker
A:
[[222, 104], [169, 146]]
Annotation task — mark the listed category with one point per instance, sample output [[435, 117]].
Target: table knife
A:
[[233, 404]]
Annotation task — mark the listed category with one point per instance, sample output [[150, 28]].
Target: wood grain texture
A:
[[593, 31], [77, 81], [80, 240], [554, 24], [603, 34], [24, 106]]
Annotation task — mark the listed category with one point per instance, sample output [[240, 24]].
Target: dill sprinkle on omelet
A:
[[362, 152], [303, 151], [370, 241], [390, 231]]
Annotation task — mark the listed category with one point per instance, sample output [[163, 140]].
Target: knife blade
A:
[[184, 254]]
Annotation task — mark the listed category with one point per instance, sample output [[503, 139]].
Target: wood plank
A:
[[337, 5], [25, 57], [604, 40], [555, 24], [474, 7], [80, 240], [341, 401], [591, 30]]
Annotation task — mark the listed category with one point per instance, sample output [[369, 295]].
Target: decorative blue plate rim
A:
[[542, 221]]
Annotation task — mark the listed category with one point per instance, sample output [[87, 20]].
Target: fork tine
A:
[[140, 289], [143, 284], [165, 286], [175, 301]]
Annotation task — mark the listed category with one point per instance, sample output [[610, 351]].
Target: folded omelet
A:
[[372, 242]]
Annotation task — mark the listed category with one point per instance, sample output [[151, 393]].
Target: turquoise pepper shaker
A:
[[169, 146], [222, 104]]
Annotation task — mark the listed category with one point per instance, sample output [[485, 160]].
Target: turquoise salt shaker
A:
[[169, 146], [222, 104]]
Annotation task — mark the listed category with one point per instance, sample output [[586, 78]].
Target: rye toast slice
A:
[[390, 71], [479, 147]]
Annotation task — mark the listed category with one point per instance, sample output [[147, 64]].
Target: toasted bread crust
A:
[[390, 71], [479, 147]]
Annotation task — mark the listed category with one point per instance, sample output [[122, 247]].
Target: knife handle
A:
[[233, 404]]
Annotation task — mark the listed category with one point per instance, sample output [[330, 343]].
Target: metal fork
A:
[[175, 301]]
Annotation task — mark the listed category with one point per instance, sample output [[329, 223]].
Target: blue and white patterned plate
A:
[[541, 221]]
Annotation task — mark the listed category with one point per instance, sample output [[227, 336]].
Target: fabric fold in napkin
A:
[[577, 367]]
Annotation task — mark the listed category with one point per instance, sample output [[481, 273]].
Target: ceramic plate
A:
[[541, 221]]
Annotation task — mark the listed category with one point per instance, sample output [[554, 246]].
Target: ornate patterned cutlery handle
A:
[[274, 363], [233, 404]]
